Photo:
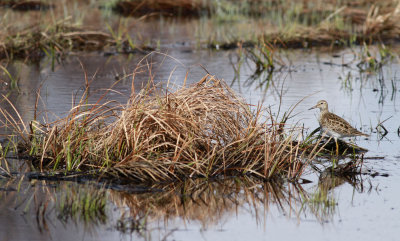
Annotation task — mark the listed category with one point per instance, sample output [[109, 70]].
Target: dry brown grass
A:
[[34, 42], [291, 24], [330, 23], [203, 130], [373, 24]]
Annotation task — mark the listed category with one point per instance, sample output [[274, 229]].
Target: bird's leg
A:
[[337, 147], [324, 134], [337, 153]]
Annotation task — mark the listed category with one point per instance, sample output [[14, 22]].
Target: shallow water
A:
[[366, 209]]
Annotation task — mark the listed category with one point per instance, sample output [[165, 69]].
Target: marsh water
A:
[[364, 207], [360, 207]]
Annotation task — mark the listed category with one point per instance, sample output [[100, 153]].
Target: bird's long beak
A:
[[315, 106]]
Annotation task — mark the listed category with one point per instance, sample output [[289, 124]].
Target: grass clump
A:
[[52, 41], [203, 130], [56, 40]]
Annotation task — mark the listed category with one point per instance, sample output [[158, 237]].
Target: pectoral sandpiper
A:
[[334, 125]]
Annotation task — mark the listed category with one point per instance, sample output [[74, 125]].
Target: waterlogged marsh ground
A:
[[353, 208], [363, 207]]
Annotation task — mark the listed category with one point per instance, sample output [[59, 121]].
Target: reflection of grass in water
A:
[[210, 201], [81, 202], [371, 64], [13, 79], [266, 65], [322, 204], [47, 202], [372, 59]]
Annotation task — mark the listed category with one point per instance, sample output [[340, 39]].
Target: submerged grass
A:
[[202, 130]]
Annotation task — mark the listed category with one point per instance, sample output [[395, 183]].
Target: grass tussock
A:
[[54, 41], [34, 43], [203, 130]]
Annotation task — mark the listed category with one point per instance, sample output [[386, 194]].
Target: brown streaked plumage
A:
[[334, 125]]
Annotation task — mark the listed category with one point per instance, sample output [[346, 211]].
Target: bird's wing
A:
[[337, 123]]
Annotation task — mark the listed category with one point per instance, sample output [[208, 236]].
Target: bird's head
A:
[[322, 105]]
